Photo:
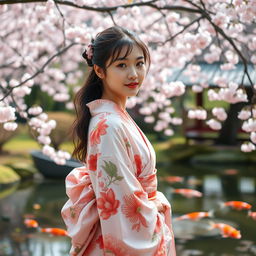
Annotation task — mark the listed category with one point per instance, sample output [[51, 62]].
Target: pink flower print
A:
[[100, 242], [161, 249], [114, 246], [107, 204], [131, 209], [98, 131], [138, 163], [92, 162]]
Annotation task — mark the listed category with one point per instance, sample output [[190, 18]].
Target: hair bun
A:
[[85, 56], [88, 53]]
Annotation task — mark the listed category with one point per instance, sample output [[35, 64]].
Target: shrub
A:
[[5, 136], [7, 175], [61, 133]]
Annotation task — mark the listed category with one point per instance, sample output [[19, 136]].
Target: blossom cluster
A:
[[43, 48]]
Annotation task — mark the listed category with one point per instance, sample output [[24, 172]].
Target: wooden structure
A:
[[199, 130]]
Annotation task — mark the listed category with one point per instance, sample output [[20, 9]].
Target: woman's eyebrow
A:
[[122, 58]]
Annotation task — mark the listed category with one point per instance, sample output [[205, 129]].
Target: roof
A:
[[212, 71]]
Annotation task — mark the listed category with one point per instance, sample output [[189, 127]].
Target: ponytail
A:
[[92, 90]]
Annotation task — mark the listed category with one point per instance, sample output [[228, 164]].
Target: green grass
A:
[[19, 147]]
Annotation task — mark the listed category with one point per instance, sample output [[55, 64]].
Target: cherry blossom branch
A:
[[112, 18], [106, 9], [229, 39], [41, 70], [180, 32], [63, 22]]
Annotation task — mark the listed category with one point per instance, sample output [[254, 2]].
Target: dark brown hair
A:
[[107, 46]]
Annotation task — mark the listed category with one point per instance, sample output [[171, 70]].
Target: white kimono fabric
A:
[[111, 209]]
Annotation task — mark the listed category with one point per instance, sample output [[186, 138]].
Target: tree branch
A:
[[105, 9], [41, 70]]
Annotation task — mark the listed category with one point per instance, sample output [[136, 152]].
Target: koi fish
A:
[[30, 223], [252, 215], [54, 231], [173, 179], [237, 205], [196, 216], [187, 192], [226, 230]]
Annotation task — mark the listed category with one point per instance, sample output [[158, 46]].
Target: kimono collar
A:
[[104, 106]]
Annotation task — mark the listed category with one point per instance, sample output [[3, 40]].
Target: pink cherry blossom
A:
[[7, 114], [10, 126], [253, 137], [249, 125], [168, 132], [214, 124], [39, 32], [247, 147], [244, 114], [35, 110], [48, 150], [44, 139], [220, 113], [176, 121], [149, 119], [200, 114]]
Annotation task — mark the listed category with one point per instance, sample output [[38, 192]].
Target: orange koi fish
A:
[[173, 179], [252, 215], [55, 231], [226, 230], [30, 223], [196, 216], [187, 192], [237, 205]]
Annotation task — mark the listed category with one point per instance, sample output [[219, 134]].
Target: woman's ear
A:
[[99, 71]]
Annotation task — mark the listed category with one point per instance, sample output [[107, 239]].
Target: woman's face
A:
[[124, 77]]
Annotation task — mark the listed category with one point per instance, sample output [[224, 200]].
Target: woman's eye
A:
[[141, 63], [121, 65]]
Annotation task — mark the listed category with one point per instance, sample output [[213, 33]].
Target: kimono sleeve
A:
[[130, 223]]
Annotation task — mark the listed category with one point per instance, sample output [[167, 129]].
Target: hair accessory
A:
[[89, 51], [88, 54]]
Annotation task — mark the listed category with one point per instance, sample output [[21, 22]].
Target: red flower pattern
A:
[[100, 242], [108, 204], [92, 162], [98, 131], [132, 208], [138, 163], [161, 249], [116, 247]]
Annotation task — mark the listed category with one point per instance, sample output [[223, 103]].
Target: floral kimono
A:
[[111, 209]]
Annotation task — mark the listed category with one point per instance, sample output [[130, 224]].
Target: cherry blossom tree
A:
[[41, 44]]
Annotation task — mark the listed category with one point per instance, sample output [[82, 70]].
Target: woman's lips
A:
[[132, 85]]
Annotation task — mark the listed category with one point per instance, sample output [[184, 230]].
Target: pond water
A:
[[43, 199]]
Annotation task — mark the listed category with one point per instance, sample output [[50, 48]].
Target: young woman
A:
[[114, 207]]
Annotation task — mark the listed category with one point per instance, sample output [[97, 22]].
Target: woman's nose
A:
[[132, 73]]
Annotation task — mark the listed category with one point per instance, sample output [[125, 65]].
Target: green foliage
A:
[[38, 97], [5, 136], [183, 152], [111, 169], [61, 133], [23, 169], [7, 175]]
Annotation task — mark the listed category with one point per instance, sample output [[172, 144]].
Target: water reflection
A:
[[217, 183], [15, 238]]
